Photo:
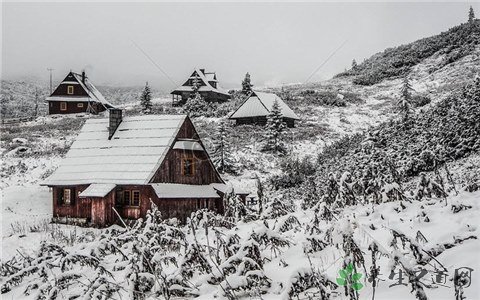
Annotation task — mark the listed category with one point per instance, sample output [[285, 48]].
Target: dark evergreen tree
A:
[[405, 101], [222, 157], [247, 85], [471, 15], [354, 64], [196, 106], [146, 100], [274, 130], [195, 87]]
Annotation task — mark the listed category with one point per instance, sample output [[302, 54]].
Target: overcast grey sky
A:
[[276, 42]]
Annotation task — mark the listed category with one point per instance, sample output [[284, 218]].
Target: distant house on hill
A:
[[76, 94], [128, 163], [256, 108], [208, 88]]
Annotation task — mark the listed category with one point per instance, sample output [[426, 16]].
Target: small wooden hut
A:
[[256, 108]]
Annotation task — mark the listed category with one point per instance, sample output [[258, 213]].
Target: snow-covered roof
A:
[[131, 156], [93, 93], [175, 190], [204, 88], [224, 188], [188, 145], [211, 77], [97, 190], [260, 104], [69, 98]]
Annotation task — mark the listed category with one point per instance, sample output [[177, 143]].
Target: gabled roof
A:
[[176, 190], [93, 93], [131, 156], [260, 104], [207, 87]]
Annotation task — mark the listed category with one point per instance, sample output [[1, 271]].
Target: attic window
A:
[[188, 167], [70, 89], [79, 105], [63, 105]]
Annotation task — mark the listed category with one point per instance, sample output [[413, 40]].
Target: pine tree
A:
[[196, 106], [471, 15], [247, 85], [195, 87], [405, 101], [354, 64], [222, 158], [274, 130], [146, 100]]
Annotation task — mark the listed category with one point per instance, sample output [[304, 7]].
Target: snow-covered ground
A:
[[26, 208]]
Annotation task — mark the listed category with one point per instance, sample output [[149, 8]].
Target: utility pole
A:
[[50, 70], [36, 102]]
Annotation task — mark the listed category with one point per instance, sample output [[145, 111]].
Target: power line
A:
[[155, 64], [328, 58]]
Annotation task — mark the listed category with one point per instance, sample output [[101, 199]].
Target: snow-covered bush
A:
[[197, 107], [294, 172]]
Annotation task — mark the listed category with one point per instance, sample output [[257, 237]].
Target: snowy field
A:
[[25, 211]]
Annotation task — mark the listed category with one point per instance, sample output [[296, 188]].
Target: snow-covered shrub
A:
[[294, 172], [270, 239], [277, 208], [243, 271], [197, 107], [420, 100], [305, 280], [444, 132]]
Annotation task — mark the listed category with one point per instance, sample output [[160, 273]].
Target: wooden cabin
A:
[[76, 94], [208, 88], [123, 164], [256, 108]]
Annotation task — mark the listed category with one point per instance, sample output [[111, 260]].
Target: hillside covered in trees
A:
[[452, 44]]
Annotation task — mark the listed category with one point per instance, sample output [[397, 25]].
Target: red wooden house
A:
[[208, 88], [76, 94], [128, 163]]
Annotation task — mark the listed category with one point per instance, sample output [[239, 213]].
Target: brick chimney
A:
[[83, 76], [115, 118]]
